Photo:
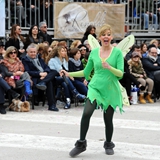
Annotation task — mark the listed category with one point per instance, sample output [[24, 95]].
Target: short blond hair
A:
[[104, 28]]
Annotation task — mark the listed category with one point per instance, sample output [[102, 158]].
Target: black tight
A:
[[87, 113]]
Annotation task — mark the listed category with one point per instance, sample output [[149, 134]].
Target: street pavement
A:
[[45, 135]]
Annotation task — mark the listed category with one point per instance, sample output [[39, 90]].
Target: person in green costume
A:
[[103, 89]]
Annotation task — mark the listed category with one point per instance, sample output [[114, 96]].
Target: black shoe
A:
[[36, 103], [109, 148], [14, 94], [53, 108], [80, 146], [42, 86], [2, 109]]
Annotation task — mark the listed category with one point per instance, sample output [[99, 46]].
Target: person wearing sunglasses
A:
[[16, 40], [14, 65], [43, 32], [83, 49]]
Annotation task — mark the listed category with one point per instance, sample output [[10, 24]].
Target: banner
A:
[[72, 19], [2, 18]]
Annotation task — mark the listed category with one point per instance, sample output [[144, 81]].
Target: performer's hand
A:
[[106, 65]]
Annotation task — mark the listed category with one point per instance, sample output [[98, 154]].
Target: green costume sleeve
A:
[[116, 72], [77, 74]]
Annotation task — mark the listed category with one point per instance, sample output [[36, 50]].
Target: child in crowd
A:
[[136, 69]]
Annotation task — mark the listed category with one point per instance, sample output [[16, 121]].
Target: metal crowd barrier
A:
[[135, 20]]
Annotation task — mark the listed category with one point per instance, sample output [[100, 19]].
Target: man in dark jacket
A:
[[151, 65], [43, 32], [41, 74]]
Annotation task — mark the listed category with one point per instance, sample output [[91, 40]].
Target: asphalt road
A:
[[45, 135]]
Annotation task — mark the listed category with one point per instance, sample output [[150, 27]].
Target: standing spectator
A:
[[145, 9], [41, 74], [43, 32], [32, 11], [33, 36], [47, 12], [20, 12], [16, 40], [91, 29]]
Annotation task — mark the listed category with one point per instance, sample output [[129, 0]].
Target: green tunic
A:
[[104, 86]]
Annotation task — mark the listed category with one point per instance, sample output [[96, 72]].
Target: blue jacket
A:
[[32, 70]]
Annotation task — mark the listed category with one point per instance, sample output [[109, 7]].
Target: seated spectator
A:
[[16, 40], [33, 36], [43, 51], [43, 32], [143, 50], [41, 74], [47, 12], [54, 44], [89, 30], [83, 49], [135, 48], [20, 78], [151, 64], [75, 64], [2, 51], [87, 45], [145, 9], [58, 60], [75, 44], [5, 88], [136, 69], [156, 43], [128, 79]]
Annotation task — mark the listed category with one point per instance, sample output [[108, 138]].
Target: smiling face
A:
[[106, 38], [144, 48], [32, 52]]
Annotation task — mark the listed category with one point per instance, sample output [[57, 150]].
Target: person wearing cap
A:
[[137, 70]]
